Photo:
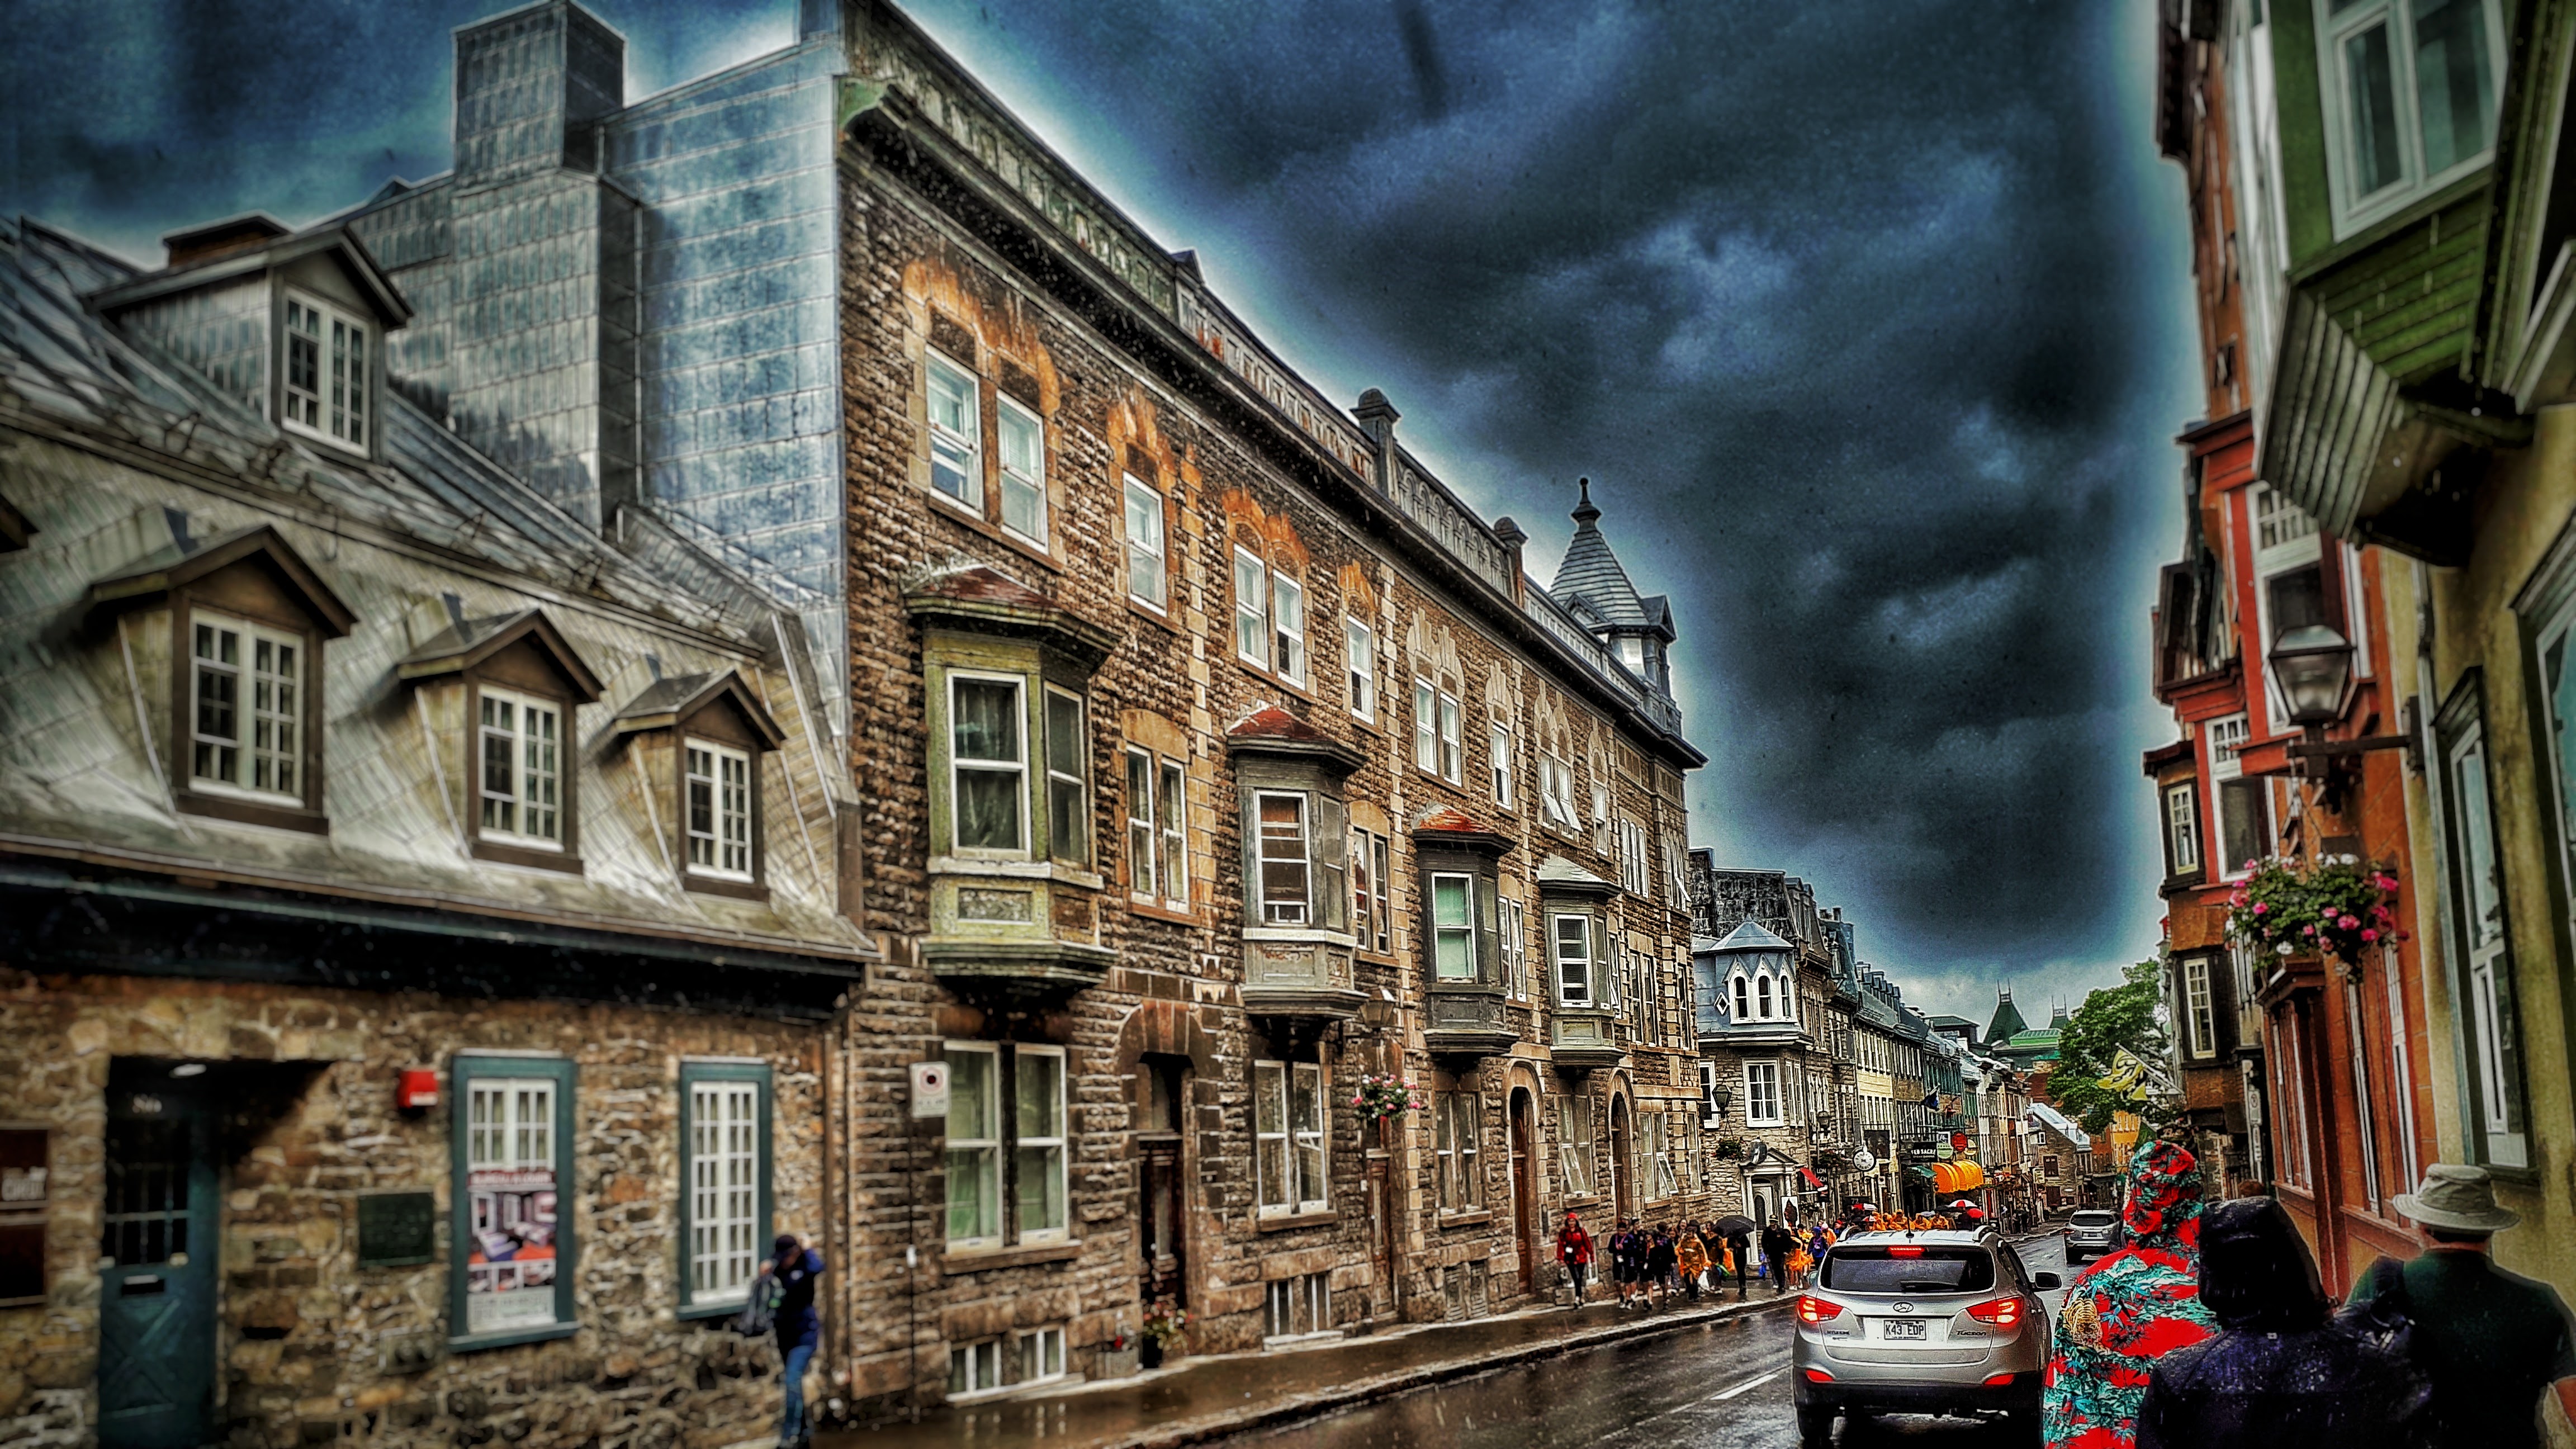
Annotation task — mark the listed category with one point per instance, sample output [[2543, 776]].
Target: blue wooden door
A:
[[156, 1320]]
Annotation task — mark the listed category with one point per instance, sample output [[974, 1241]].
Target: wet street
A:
[[1724, 1384]]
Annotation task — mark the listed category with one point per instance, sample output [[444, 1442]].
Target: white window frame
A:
[[1297, 1182], [979, 1150], [1025, 478], [1453, 740], [1251, 609], [525, 774], [1762, 1090], [325, 411], [1157, 829], [966, 441], [1359, 668], [1276, 913], [1556, 791], [258, 719], [1443, 931], [724, 811], [1288, 627], [1636, 871], [1148, 547], [1558, 960], [724, 1153], [975, 1369], [1574, 1143], [2226, 737], [1024, 1143], [1068, 779], [2182, 828], [1038, 1354], [959, 767], [2353, 212], [1709, 1117], [1514, 927], [1456, 1128], [1498, 746], [1426, 730], [2200, 1011]]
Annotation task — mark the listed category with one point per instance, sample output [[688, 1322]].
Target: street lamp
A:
[[2314, 666]]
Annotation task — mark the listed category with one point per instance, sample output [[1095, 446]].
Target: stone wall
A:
[[304, 1335]]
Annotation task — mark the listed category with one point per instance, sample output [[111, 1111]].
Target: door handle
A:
[[141, 1284]]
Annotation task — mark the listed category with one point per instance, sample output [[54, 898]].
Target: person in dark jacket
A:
[[1740, 1244], [2280, 1374], [790, 1274], [1660, 1259], [1777, 1240]]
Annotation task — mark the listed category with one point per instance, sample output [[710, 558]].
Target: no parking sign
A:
[[929, 1090]]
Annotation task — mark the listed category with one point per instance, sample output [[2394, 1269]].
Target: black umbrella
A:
[[1732, 1224]]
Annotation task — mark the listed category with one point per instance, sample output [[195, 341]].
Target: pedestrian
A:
[[1618, 1247], [1690, 1258], [1661, 1260], [2129, 1309], [2490, 1342], [1574, 1254], [789, 1277], [1739, 1246], [1776, 1243], [2280, 1374]]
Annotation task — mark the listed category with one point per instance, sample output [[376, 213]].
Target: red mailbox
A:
[[419, 1089]]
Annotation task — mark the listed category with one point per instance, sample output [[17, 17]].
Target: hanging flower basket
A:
[[2339, 907], [1726, 1149], [1382, 1097], [1831, 1159]]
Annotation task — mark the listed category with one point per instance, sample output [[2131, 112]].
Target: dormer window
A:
[[327, 372], [508, 686], [248, 704], [521, 739], [718, 796], [700, 737]]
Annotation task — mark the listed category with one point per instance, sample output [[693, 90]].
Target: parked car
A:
[[1945, 1322], [2092, 1233]]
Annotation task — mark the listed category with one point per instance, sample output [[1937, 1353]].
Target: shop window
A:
[[1290, 1118], [512, 1127], [725, 1172], [1007, 1146]]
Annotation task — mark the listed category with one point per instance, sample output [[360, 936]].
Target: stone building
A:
[[1765, 960], [421, 909]]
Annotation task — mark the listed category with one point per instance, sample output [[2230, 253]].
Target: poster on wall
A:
[[510, 1262]]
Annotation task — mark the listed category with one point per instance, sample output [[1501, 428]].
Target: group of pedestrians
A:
[[2211, 1329], [1656, 1263]]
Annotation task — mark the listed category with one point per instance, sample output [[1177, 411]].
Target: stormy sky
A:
[[1869, 319]]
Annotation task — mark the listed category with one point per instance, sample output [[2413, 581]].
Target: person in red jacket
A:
[[1574, 1250]]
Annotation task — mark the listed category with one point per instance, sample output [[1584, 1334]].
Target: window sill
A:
[[252, 812], [1155, 912], [1474, 1217], [1146, 611], [533, 857], [1056, 871], [985, 1260], [741, 890], [711, 1310], [1301, 935], [472, 1342], [1288, 1222]]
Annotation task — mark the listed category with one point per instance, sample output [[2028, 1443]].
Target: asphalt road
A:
[[1723, 1384]]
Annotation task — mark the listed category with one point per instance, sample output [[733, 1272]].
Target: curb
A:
[[1402, 1381]]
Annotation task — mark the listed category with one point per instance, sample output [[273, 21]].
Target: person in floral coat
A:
[[2130, 1309]]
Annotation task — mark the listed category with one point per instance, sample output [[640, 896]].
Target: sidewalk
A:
[[1204, 1398]]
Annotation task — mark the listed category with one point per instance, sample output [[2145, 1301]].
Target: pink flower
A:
[[2307, 930], [2348, 923], [2260, 908], [2367, 934]]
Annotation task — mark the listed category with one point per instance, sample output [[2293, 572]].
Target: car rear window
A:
[[2093, 1219], [1909, 1269]]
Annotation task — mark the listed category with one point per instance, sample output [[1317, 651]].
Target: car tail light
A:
[[1999, 1381], [1812, 1309], [2000, 1312], [1905, 1252], [1819, 1376]]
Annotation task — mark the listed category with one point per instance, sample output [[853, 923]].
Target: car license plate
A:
[[1901, 1328]]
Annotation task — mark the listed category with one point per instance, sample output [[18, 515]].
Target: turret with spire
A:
[[1594, 588], [2007, 1023]]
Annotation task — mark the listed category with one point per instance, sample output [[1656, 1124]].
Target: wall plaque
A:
[[397, 1229]]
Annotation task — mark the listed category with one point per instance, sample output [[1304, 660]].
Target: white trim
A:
[[721, 814], [327, 402], [988, 1144], [1251, 609], [2354, 213], [967, 439], [249, 707], [1359, 668], [1007, 410], [1138, 492], [997, 765], [521, 705], [1304, 859]]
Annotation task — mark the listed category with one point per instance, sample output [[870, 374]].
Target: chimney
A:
[[244, 233], [1378, 416], [531, 88]]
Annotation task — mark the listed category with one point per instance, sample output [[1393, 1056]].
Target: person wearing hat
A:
[[790, 1274], [2490, 1341]]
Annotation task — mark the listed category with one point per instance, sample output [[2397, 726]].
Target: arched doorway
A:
[[1162, 1207], [1524, 1187], [1623, 1191]]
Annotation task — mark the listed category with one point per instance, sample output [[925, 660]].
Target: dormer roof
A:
[[983, 599], [1556, 873], [468, 642], [1271, 730], [236, 250], [182, 562], [666, 703], [1752, 936], [1449, 825]]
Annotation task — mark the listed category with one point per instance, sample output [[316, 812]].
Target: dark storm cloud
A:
[[1861, 314]]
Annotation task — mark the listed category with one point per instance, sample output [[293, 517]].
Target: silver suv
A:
[[1923, 1323], [2091, 1233]]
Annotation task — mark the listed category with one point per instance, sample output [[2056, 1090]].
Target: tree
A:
[[2113, 1020]]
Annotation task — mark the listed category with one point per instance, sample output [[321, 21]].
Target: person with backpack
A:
[[1661, 1260], [1574, 1254], [786, 1284], [2489, 1342]]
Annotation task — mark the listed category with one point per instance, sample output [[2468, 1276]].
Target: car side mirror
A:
[[2046, 1281]]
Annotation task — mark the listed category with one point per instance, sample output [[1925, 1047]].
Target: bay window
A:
[[988, 763], [1372, 913], [2182, 829], [1068, 751], [2200, 1009], [1289, 1117]]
